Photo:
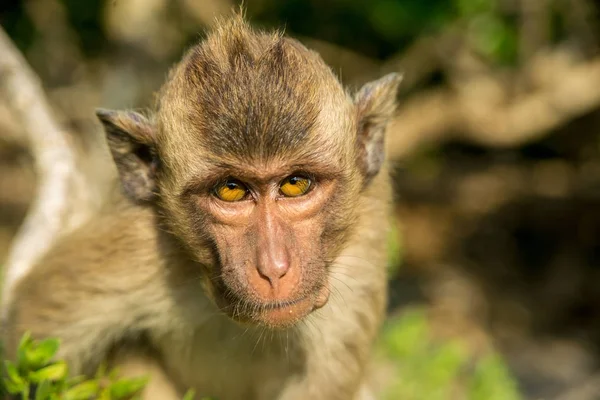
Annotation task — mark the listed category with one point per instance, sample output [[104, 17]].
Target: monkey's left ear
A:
[[130, 139], [375, 103]]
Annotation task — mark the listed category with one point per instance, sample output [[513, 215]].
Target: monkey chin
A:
[[276, 315]]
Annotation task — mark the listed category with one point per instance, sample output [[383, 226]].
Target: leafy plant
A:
[[35, 375]]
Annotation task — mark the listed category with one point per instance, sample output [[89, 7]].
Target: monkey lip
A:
[[287, 313], [282, 314], [283, 304]]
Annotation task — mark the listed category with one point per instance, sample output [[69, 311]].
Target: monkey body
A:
[[247, 258]]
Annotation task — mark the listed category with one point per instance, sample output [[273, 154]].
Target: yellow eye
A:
[[295, 186], [231, 190]]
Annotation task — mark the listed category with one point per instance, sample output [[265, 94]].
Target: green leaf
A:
[[13, 375], [101, 371], [113, 375], [40, 354], [492, 380], [83, 391], [13, 388], [54, 372], [125, 388], [105, 394], [25, 340], [189, 395], [24, 345], [43, 391]]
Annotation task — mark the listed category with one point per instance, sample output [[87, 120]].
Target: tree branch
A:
[[60, 202], [483, 110]]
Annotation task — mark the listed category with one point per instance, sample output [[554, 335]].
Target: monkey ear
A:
[[130, 139], [376, 104]]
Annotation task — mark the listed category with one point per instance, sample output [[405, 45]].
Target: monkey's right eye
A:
[[231, 190]]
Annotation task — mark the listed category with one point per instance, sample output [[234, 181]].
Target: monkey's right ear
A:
[[130, 139]]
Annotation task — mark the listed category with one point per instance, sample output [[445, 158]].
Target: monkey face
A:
[[272, 229]]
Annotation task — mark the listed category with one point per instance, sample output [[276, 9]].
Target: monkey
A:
[[243, 251]]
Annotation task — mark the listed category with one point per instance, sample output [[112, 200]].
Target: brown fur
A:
[[172, 270]]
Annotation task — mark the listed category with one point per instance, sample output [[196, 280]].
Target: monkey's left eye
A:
[[231, 190], [294, 186]]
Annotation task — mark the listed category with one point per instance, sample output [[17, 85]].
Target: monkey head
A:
[[256, 157]]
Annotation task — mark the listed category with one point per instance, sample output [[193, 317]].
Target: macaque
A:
[[244, 252]]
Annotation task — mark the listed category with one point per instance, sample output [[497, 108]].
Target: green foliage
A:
[[35, 368], [490, 32], [491, 380], [428, 369], [394, 249]]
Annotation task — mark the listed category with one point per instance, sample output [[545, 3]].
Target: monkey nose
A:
[[273, 271]]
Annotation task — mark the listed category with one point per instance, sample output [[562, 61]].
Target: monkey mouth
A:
[[276, 314], [282, 304]]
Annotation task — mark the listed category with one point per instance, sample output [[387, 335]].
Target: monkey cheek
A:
[[322, 297]]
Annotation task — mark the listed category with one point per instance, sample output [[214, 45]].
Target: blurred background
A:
[[495, 265]]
